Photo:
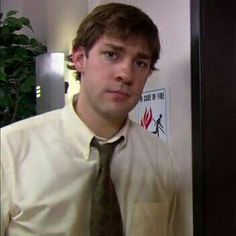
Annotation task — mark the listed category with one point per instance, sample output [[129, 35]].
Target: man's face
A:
[[113, 75]]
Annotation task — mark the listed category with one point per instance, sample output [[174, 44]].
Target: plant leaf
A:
[[11, 13], [2, 74], [25, 21], [22, 39], [26, 86], [17, 82], [13, 23], [5, 98]]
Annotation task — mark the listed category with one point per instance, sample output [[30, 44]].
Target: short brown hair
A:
[[118, 20]]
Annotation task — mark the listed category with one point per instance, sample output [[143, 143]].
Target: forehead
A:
[[134, 43]]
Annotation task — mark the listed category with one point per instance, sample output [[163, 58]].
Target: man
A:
[[50, 166]]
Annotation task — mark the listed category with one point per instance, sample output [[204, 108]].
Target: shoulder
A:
[[29, 137], [32, 122], [137, 131], [148, 144], [31, 126]]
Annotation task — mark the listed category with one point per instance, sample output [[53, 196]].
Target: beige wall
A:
[[64, 18], [35, 11], [55, 23]]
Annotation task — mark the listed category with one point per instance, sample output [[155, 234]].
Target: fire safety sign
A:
[[152, 112]]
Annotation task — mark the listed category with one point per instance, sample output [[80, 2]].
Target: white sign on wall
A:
[[152, 112]]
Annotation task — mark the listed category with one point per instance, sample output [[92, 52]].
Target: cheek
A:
[[140, 84], [99, 70], [138, 89]]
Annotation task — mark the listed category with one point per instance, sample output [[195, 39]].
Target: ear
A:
[[79, 58]]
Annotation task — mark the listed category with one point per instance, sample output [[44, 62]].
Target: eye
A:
[[110, 55], [142, 63]]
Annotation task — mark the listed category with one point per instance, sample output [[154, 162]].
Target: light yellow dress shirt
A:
[[48, 171]]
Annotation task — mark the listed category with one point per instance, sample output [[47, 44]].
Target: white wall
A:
[[173, 20], [55, 23]]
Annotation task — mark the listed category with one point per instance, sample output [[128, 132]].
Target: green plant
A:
[[17, 69]]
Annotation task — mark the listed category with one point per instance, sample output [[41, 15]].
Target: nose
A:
[[125, 72]]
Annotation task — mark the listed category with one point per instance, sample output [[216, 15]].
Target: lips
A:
[[119, 94]]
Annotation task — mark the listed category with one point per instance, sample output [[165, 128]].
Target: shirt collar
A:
[[122, 133], [81, 135], [78, 133]]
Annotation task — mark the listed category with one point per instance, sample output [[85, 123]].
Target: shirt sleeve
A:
[[6, 193], [170, 180], [172, 215], [173, 197]]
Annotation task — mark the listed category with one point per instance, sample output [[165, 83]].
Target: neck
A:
[[101, 126]]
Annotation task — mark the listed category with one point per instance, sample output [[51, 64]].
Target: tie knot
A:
[[106, 150]]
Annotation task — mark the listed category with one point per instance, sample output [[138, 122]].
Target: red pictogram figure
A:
[[147, 118]]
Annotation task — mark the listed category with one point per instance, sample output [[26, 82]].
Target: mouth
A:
[[119, 94]]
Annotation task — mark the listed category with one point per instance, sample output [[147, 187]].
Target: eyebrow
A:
[[122, 49]]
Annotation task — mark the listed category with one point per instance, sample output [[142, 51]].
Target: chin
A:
[[116, 110], [117, 114]]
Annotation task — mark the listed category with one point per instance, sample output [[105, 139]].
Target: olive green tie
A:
[[105, 211]]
